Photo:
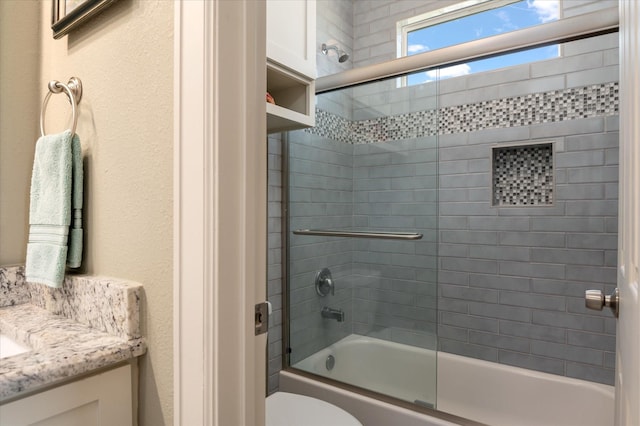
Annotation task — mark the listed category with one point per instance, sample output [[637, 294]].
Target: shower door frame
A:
[[569, 29]]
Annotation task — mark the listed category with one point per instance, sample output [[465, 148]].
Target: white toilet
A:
[[290, 409]]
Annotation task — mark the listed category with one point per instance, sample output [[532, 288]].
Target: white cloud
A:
[[547, 10], [454, 71], [417, 48]]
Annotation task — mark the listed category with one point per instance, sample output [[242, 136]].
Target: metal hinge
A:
[[262, 317]]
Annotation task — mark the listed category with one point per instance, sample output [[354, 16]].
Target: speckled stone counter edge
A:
[[89, 324], [107, 304]]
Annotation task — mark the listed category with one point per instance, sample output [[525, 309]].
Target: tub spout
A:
[[330, 313]]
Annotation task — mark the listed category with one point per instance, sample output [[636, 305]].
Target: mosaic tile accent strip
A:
[[523, 175], [548, 107]]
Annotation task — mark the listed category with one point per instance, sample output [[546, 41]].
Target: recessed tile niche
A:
[[523, 175]]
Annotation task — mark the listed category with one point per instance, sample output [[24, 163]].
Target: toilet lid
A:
[[290, 409]]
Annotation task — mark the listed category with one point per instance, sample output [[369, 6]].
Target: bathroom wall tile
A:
[[592, 340], [470, 350], [500, 253], [591, 373], [532, 362], [593, 191], [532, 239], [533, 332], [573, 257], [499, 341], [467, 293], [469, 237], [592, 208], [533, 270], [489, 310], [567, 64], [593, 76], [580, 159], [499, 223], [569, 321], [567, 352], [517, 283], [470, 322], [548, 303], [592, 274], [595, 141], [469, 265], [567, 128], [453, 333], [593, 174]]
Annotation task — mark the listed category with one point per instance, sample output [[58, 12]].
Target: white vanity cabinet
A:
[[102, 399], [291, 64]]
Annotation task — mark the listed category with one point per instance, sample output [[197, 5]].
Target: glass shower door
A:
[[362, 240]]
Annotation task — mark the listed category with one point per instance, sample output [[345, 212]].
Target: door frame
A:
[[219, 267]]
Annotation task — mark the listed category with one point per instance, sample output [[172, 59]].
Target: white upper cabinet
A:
[[291, 64], [291, 35]]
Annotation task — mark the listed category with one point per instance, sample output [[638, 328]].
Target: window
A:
[[473, 20]]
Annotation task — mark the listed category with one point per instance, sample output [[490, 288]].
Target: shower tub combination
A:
[[486, 392]]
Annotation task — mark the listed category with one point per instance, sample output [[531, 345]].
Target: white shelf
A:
[[293, 94], [281, 119]]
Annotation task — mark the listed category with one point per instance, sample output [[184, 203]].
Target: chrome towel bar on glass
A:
[[73, 90], [359, 234]]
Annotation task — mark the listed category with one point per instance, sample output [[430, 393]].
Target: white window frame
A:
[[439, 16]]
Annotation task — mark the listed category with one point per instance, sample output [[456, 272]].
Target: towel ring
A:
[[73, 90]]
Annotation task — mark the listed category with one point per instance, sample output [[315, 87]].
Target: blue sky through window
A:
[[523, 14]]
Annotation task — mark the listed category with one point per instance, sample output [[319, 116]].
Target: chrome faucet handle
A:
[[324, 283]]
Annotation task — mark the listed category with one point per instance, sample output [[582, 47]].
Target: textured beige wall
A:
[[124, 58], [19, 109]]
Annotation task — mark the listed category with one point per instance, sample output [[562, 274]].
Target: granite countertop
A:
[[89, 324]]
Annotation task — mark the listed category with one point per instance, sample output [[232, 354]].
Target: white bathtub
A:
[[482, 391]]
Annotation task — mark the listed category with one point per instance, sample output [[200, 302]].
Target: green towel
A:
[[56, 187]]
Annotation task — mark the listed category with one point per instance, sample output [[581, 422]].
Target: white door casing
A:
[[628, 329], [219, 211]]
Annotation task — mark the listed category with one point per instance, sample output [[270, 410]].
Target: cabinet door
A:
[[103, 399], [291, 35]]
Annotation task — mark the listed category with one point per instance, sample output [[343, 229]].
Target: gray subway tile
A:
[[593, 241], [591, 373], [500, 253], [567, 352], [559, 287], [469, 265], [549, 303], [494, 223], [569, 321], [570, 257], [499, 282], [592, 340], [492, 310], [532, 362], [568, 224], [470, 322], [467, 293], [533, 332], [592, 191], [532, 239], [470, 350], [580, 158], [593, 174], [592, 274], [566, 128], [469, 237], [533, 270], [592, 208], [498, 341]]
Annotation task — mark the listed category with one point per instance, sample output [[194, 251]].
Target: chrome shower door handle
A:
[[596, 300]]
